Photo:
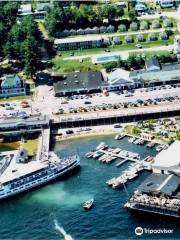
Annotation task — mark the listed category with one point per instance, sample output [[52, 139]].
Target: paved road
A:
[[119, 112], [126, 52]]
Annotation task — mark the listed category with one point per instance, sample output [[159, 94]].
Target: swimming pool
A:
[[103, 58]]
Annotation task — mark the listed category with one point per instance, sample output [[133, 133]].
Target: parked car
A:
[[117, 126], [87, 102], [69, 132]]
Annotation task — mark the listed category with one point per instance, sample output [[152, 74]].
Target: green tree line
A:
[[19, 38], [79, 16]]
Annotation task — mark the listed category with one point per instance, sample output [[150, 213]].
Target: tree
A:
[[131, 61], [31, 54], [132, 15], [136, 131], [23, 44], [110, 66]]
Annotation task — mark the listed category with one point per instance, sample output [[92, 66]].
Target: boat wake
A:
[[61, 230]]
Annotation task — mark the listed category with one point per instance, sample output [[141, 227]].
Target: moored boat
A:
[[88, 204]]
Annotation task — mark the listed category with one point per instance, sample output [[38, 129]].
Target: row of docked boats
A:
[[130, 174], [106, 154], [137, 141]]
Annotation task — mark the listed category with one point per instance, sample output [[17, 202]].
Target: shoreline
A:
[[85, 135]]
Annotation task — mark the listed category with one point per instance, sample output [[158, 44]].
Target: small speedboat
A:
[[88, 204]]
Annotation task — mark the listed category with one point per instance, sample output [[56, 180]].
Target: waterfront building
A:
[[147, 136], [168, 160], [78, 83], [121, 79], [12, 85], [81, 42], [32, 122], [168, 74], [158, 194]]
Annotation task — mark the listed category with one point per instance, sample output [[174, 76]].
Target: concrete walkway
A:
[[152, 49]]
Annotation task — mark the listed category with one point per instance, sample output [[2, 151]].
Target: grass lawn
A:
[[31, 146], [63, 66]]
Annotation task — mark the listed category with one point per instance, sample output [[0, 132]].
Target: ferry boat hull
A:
[[37, 185]]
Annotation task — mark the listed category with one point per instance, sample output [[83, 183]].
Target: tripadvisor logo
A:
[[138, 231]]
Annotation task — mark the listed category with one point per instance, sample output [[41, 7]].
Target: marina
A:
[[106, 154], [64, 199]]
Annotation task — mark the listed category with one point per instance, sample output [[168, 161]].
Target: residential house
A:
[[12, 85]]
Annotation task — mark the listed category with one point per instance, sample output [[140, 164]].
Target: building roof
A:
[[10, 80], [160, 183], [42, 6], [152, 62], [119, 75], [140, 7], [25, 8], [78, 39], [78, 81], [169, 159], [11, 123]]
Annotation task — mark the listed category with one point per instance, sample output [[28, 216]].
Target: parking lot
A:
[[46, 103]]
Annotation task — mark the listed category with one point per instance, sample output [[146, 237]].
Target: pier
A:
[[107, 155], [126, 115]]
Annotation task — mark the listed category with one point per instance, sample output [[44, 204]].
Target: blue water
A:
[[41, 214], [107, 59]]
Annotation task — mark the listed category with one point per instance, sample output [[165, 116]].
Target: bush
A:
[[156, 24], [110, 66], [133, 26], [152, 37], [136, 131], [163, 36], [129, 39], [140, 38], [144, 25], [167, 23], [122, 28]]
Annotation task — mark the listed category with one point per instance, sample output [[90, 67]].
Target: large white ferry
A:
[[19, 177]]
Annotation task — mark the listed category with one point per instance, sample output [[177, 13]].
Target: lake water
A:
[[40, 214]]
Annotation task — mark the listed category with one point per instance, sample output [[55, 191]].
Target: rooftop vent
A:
[[65, 83]]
